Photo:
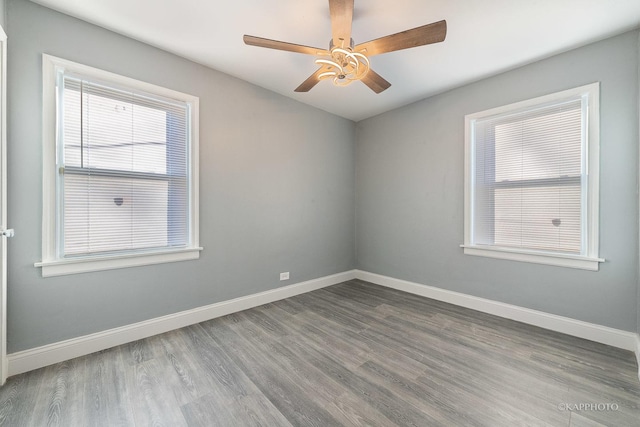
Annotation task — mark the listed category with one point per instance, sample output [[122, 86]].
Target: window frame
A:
[[52, 264], [588, 259]]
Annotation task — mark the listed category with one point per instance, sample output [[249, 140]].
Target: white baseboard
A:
[[39, 357], [590, 331]]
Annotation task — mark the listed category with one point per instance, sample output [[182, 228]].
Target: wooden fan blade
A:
[[290, 47], [375, 82], [313, 80], [427, 34], [341, 17]]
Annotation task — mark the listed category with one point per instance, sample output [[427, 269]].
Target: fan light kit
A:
[[346, 64]]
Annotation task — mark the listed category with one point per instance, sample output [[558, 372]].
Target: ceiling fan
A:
[[345, 62]]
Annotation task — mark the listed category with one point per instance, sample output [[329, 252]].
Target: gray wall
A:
[[276, 189], [409, 198], [3, 13]]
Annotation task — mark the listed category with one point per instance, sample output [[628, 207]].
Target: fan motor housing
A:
[[350, 47]]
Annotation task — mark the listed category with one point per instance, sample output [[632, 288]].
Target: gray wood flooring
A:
[[350, 354]]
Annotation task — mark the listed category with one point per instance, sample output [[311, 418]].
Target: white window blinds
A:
[[124, 170], [529, 185]]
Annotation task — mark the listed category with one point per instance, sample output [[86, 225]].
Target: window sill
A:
[[559, 260], [61, 267]]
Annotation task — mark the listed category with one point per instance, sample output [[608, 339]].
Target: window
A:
[[120, 176], [531, 180]]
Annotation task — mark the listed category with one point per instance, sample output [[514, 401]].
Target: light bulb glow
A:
[[345, 66], [327, 74]]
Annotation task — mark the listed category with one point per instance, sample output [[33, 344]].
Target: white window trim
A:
[[50, 264], [590, 261]]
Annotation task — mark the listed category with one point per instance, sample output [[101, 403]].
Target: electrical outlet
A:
[[284, 276]]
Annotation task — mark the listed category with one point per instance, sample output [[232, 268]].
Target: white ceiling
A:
[[484, 38]]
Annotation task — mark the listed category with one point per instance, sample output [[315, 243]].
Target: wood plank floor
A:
[[351, 354]]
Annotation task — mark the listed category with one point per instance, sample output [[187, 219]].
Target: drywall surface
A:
[[410, 183], [3, 13], [276, 189]]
